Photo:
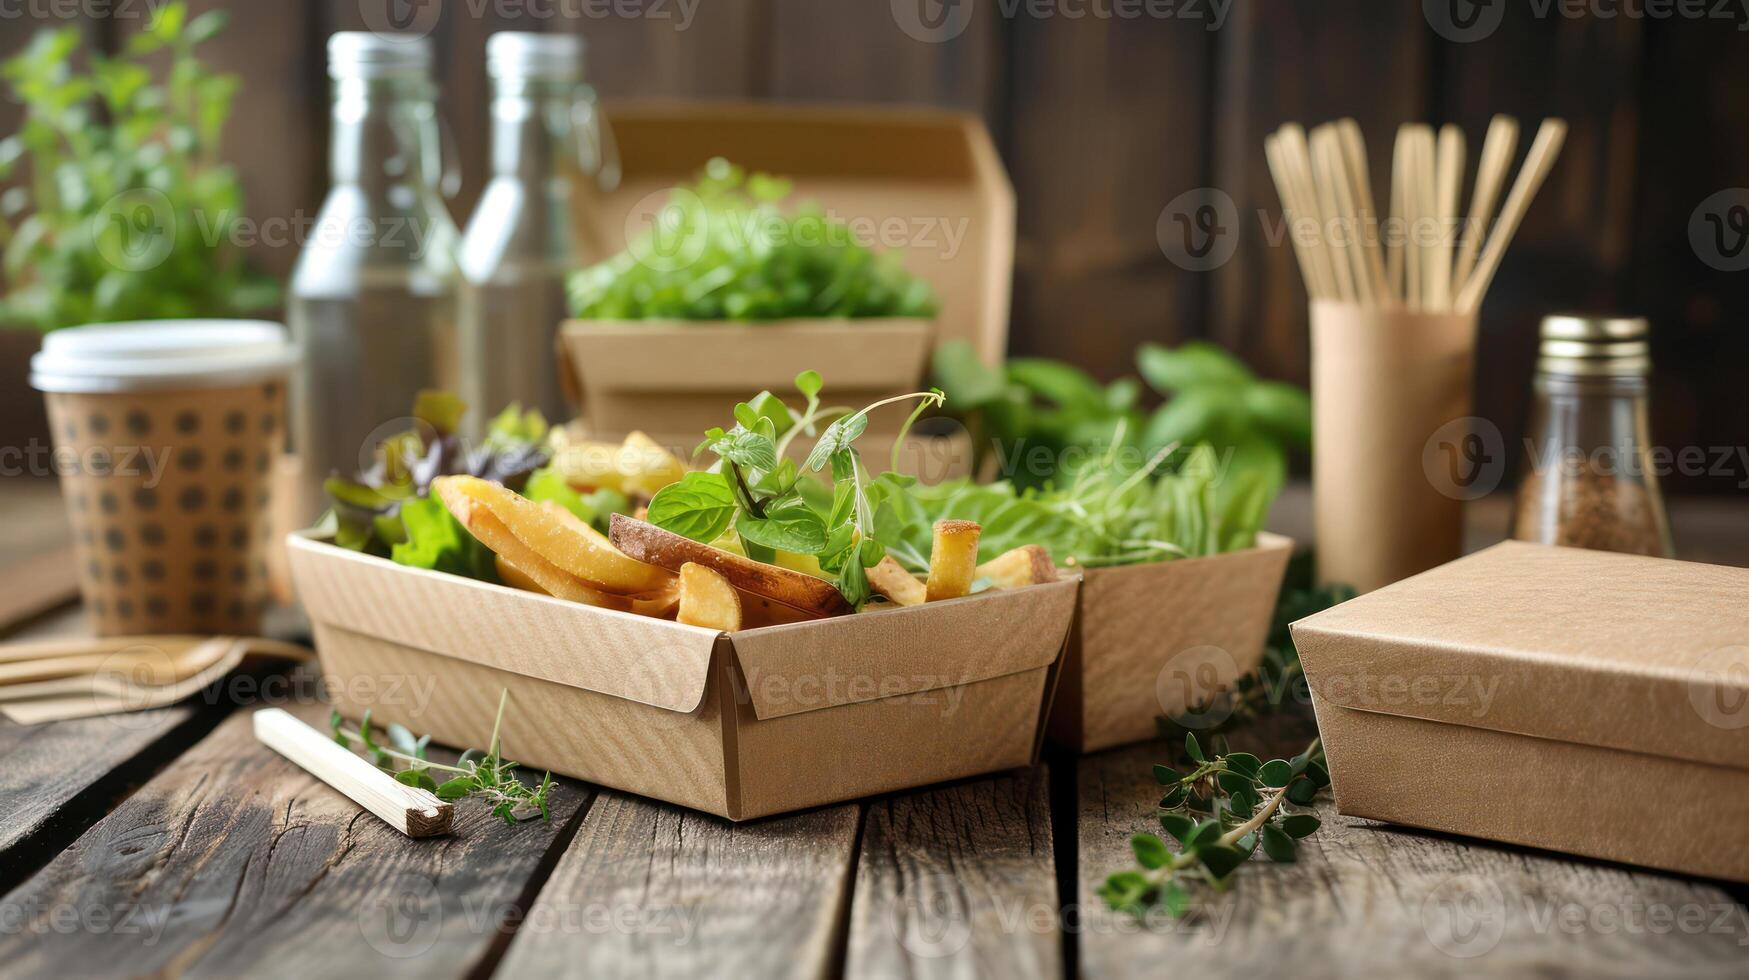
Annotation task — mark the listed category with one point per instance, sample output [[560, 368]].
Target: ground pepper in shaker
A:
[[1589, 481]]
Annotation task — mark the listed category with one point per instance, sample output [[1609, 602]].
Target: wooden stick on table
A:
[[412, 811]]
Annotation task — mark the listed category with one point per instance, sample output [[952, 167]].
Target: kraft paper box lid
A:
[[935, 171], [1614, 651], [665, 664]]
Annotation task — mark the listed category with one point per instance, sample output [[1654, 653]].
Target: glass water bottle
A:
[[1590, 481], [373, 296], [548, 137]]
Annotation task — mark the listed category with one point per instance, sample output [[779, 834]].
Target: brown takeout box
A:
[[1581, 701], [927, 183], [740, 725], [1156, 640]]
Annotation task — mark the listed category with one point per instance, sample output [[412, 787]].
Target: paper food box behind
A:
[[740, 725], [926, 182], [1581, 701]]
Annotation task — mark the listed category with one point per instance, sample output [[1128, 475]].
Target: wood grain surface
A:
[[652, 890], [958, 881], [1368, 899], [233, 860]]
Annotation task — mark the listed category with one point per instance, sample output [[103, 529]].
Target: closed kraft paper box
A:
[[1156, 640], [1580, 701], [740, 725]]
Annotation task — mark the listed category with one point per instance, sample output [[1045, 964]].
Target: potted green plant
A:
[[120, 208]]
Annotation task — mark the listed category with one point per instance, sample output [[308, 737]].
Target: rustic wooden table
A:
[[170, 842]]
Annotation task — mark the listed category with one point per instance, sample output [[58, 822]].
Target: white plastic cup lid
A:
[[161, 354]]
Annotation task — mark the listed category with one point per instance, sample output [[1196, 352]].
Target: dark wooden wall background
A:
[[1103, 120]]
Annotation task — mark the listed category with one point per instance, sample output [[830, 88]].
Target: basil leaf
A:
[[837, 438], [746, 447], [701, 507], [789, 527]]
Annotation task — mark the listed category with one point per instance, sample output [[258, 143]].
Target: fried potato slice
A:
[[647, 542], [707, 599], [953, 560], [556, 535], [639, 466], [551, 581], [648, 466], [1017, 568], [889, 578]]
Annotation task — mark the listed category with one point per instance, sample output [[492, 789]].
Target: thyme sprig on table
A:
[[1220, 813], [483, 775]]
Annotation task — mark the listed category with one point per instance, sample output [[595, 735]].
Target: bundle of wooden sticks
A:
[[1347, 253]]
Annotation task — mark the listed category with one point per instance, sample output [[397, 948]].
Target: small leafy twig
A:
[[485, 775], [1220, 813]]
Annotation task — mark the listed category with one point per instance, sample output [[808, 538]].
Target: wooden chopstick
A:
[[1291, 211], [1449, 182], [1497, 150], [1326, 181], [1297, 156], [413, 811], [1543, 151], [1354, 156]]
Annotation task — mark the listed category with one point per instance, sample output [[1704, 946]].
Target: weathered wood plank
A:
[[233, 860], [652, 890], [1102, 135], [1367, 899], [959, 881]]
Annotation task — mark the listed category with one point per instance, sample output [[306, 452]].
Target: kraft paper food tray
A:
[[1575, 700], [744, 725], [679, 376], [926, 182], [1155, 640]]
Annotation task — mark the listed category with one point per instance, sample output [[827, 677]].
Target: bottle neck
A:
[[385, 134], [534, 128]]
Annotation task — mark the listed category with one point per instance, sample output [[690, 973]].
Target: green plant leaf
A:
[[1151, 852], [1192, 748], [1165, 775], [1244, 762], [1302, 792], [1276, 773], [1195, 364], [1221, 860], [791, 527], [418, 778], [1178, 825], [1298, 825], [700, 507], [1277, 844]]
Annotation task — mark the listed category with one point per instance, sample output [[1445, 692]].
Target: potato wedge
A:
[[953, 560], [647, 466], [556, 583], [889, 578], [585, 464], [557, 536], [707, 599], [1017, 568], [647, 542]]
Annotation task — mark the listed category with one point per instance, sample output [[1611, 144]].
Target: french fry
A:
[[707, 599], [647, 466], [556, 535], [1017, 568], [557, 584], [889, 578], [953, 560], [646, 542], [486, 526]]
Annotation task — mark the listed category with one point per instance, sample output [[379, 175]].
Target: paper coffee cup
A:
[[167, 437]]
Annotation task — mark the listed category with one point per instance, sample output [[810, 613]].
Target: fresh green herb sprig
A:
[[774, 507], [1220, 813], [126, 211], [485, 776], [724, 249]]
